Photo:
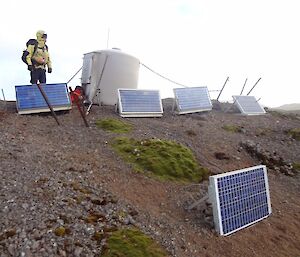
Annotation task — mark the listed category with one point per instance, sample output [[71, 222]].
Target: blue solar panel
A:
[[30, 100], [192, 99], [240, 198], [139, 103], [248, 105]]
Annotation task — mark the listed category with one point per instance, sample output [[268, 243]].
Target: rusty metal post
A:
[[5, 106], [79, 105], [48, 103], [253, 86], [244, 86], [222, 89]]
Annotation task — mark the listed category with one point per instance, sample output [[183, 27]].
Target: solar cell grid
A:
[[242, 198], [248, 105], [192, 99], [30, 100], [139, 103]]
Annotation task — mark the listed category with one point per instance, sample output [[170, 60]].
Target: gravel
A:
[[63, 189]]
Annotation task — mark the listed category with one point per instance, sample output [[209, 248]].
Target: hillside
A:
[[63, 189], [289, 107]]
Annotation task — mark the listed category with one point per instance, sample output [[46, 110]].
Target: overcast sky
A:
[[193, 42]]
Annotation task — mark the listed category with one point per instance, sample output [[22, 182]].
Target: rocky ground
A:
[[63, 187]]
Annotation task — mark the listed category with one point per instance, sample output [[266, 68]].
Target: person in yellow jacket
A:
[[38, 58]]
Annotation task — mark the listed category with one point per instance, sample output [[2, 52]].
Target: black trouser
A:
[[38, 75]]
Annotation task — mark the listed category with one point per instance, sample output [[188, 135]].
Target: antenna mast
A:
[[107, 38]]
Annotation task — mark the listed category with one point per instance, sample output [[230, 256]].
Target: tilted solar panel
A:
[[192, 99], [248, 105], [30, 100], [139, 103], [239, 198]]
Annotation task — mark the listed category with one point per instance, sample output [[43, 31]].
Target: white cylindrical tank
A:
[[105, 71]]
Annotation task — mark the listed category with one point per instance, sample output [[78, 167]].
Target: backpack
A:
[[25, 52]]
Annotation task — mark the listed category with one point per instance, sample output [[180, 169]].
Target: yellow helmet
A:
[[41, 34]]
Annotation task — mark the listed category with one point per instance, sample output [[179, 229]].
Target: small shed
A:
[[105, 71]]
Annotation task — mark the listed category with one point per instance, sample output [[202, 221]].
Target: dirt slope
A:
[[54, 176]]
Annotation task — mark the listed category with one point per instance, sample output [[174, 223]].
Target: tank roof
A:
[[111, 51]]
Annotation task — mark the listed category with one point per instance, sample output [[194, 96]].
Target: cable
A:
[[74, 75], [217, 90], [163, 76]]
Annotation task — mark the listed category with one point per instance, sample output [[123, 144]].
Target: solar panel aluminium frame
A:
[[178, 109], [123, 113], [243, 109], [44, 108], [214, 198]]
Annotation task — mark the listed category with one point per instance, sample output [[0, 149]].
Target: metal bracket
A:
[[200, 201]]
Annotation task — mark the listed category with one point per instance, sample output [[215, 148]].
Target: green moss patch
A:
[[62, 231], [93, 218], [132, 243], [263, 131], [296, 166], [295, 133], [114, 125], [232, 128], [164, 159]]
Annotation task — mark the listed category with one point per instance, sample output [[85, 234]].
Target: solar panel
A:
[[30, 100], [139, 103], [239, 198], [248, 105], [192, 99]]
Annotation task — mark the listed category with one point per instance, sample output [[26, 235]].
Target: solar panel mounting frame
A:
[[123, 113], [243, 108], [177, 105], [214, 198]]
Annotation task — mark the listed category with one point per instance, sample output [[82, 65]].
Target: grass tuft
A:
[[163, 159], [60, 231], [232, 128], [114, 125], [295, 133], [132, 243], [296, 166]]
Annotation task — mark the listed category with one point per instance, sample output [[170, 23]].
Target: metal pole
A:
[[222, 89], [97, 85], [244, 86], [254, 86], [47, 101], [74, 75], [107, 38], [4, 98], [79, 107], [3, 95]]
